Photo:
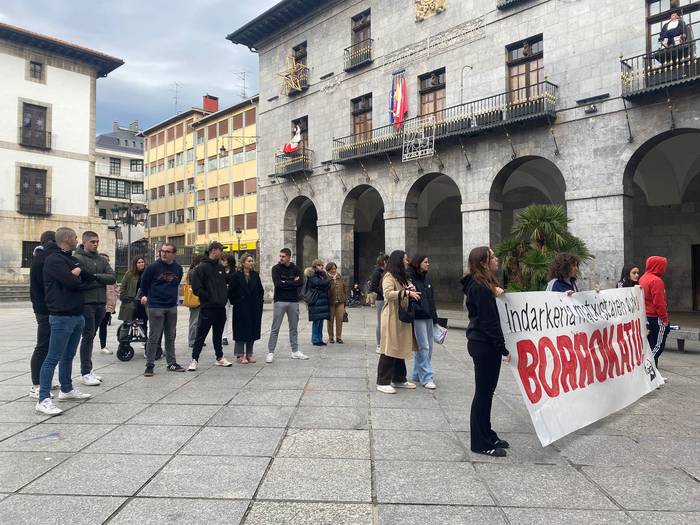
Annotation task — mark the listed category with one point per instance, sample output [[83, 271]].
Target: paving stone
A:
[[9, 429], [269, 397], [679, 451], [566, 517], [288, 513], [12, 392], [167, 511], [126, 394], [418, 445], [314, 443], [109, 475], [278, 383], [648, 489], [133, 439], [19, 468], [408, 419], [208, 477], [341, 372], [334, 399], [524, 448], [160, 414], [255, 416], [24, 509], [547, 486], [195, 395], [452, 515], [21, 412], [234, 441], [602, 450], [429, 483], [337, 383], [94, 412], [56, 438], [317, 479], [329, 417], [420, 398], [666, 518]]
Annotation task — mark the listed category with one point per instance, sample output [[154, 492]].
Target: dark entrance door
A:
[[695, 266], [32, 191], [34, 126]]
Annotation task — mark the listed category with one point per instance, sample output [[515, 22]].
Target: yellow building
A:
[[225, 178]]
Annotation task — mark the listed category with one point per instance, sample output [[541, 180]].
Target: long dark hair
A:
[[133, 269], [415, 262], [625, 278], [479, 268], [396, 268]]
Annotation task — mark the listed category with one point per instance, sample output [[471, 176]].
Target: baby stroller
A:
[[132, 332]]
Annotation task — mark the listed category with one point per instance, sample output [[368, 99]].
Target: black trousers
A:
[[487, 367], [106, 321], [93, 314], [390, 369], [43, 333], [210, 318], [657, 337]]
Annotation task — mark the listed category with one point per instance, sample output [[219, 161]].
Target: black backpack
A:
[[309, 295]]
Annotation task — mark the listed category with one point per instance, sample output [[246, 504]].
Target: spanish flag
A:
[[398, 103]]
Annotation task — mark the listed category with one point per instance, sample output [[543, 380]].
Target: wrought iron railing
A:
[[660, 69], [290, 164], [357, 55], [33, 138], [29, 204], [303, 79], [505, 4], [530, 103]]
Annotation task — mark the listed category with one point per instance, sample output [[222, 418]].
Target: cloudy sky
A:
[[161, 42]]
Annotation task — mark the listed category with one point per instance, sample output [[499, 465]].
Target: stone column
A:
[[400, 231], [335, 243], [480, 226], [600, 221]]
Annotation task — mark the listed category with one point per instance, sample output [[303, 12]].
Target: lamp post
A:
[[130, 215], [238, 246]]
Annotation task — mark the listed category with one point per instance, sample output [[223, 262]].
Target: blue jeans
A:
[[63, 343], [317, 331], [422, 359]]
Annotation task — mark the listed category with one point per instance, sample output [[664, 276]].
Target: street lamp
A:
[[238, 246], [131, 215]]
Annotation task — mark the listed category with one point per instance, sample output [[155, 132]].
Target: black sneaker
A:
[[501, 443], [495, 452], [224, 341], [148, 372], [175, 368]]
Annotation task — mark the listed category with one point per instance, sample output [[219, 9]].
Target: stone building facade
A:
[[527, 101]]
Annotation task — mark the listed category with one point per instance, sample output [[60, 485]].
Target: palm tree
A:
[[540, 233]]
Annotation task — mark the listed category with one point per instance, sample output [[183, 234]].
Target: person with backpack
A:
[[193, 304], [317, 283], [398, 342], [376, 287]]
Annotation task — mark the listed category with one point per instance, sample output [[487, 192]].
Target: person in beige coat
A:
[[337, 297], [397, 340]]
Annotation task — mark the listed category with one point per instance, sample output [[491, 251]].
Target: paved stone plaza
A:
[[313, 442]]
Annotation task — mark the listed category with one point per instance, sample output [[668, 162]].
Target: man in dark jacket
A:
[[41, 312], [376, 287], [95, 299], [209, 283], [160, 284], [64, 284], [287, 279]]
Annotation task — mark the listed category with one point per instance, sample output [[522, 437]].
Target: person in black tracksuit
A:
[[486, 346], [41, 312], [209, 282]]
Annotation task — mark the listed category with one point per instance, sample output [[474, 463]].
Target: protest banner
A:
[[577, 358]]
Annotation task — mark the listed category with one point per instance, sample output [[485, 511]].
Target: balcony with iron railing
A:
[[29, 204], [33, 138], [505, 4], [660, 69], [532, 104], [287, 165], [358, 55], [302, 77]]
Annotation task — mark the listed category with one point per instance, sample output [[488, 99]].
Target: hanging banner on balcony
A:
[[577, 358], [295, 144], [398, 104]]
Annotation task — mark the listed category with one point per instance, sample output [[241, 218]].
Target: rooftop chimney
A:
[[134, 126], [210, 103], [115, 126]]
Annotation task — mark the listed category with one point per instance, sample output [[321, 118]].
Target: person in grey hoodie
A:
[[95, 300]]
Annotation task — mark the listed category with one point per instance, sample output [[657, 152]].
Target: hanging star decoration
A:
[[294, 77]]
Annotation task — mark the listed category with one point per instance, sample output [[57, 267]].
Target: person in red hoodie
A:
[[655, 302]]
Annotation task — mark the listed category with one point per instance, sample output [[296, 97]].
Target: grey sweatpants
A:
[[192, 330], [278, 311], [162, 321]]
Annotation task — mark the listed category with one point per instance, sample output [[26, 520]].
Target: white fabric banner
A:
[[577, 358]]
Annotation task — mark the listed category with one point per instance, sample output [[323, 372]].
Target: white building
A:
[[47, 142], [119, 176]]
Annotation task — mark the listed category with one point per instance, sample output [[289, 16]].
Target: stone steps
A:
[[14, 292]]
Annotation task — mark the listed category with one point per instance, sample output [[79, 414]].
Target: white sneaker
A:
[[386, 389], [90, 380], [106, 351], [270, 357], [93, 374], [299, 355], [47, 407], [378, 350], [430, 385], [406, 384], [193, 366], [34, 393], [223, 362], [73, 394], [665, 379]]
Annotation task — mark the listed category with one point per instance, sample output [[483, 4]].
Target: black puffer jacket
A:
[[209, 282], [317, 280], [375, 282], [425, 308], [36, 279], [484, 322], [63, 290]]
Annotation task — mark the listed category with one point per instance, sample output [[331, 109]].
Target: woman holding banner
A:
[[486, 346], [562, 273]]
